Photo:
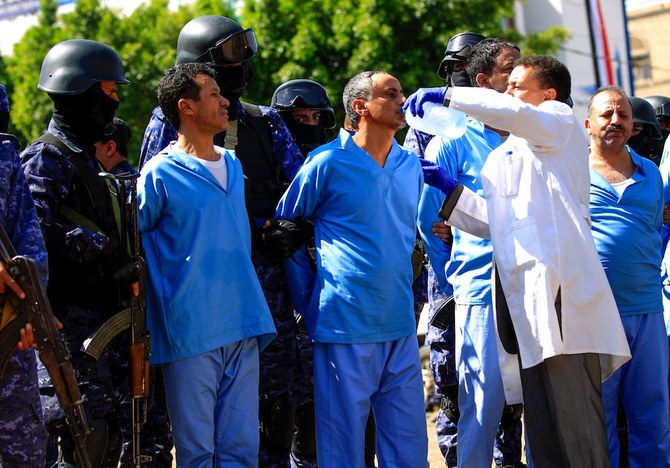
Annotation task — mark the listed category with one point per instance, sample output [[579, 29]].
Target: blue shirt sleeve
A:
[[299, 201], [431, 200]]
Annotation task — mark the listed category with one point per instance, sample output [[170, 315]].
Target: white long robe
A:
[[536, 212]]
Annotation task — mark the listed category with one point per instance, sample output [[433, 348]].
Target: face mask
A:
[[460, 78], [4, 121], [646, 147], [107, 109], [86, 116], [233, 81], [307, 137]]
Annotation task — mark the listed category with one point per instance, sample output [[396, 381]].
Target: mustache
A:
[[614, 127]]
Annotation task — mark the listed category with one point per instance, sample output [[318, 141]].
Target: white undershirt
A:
[[621, 186], [218, 170]]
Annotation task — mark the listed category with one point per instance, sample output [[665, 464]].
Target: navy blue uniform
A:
[[81, 292], [23, 436]]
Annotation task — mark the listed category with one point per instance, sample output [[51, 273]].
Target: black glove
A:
[[118, 266], [282, 238]]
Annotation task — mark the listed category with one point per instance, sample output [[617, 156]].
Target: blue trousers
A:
[[212, 401], [666, 317], [481, 396], [349, 379], [643, 385]]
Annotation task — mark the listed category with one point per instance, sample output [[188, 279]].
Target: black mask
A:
[[233, 81], [460, 78], [85, 116], [307, 137], [4, 121], [647, 147]]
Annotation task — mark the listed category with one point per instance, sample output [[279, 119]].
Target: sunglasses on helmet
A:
[[238, 47]]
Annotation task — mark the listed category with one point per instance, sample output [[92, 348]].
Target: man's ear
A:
[[587, 126], [359, 106], [550, 94], [184, 106], [482, 80], [110, 148]]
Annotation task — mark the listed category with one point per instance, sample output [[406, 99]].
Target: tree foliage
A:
[[326, 40], [146, 41], [331, 40]]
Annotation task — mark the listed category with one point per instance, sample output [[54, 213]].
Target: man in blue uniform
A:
[[627, 212], [361, 192], [90, 272], [270, 160], [23, 436], [467, 266], [442, 341], [208, 316]]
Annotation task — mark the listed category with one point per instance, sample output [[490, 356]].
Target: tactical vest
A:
[[264, 183], [74, 282]]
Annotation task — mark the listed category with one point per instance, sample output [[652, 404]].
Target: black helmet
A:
[[304, 94], [73, 66], [215, 40], [458, 50], [661, 105], [644, 113]]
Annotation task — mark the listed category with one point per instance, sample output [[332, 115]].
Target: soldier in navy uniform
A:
[[90, 271], [23, 437]]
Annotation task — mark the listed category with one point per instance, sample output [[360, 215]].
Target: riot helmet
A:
[[76, 74], [661, 105], [73, 66], [649, 142], [304, 94], [458, 50], [223, 44], [216, 41], [645, 114]]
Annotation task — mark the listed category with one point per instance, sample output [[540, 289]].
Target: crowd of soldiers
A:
[[320, 226]]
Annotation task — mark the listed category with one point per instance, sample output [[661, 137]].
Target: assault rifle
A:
[[133, 318], [53, 353]]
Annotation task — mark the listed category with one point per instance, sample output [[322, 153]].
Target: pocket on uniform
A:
[[509, 174], [522, 246]]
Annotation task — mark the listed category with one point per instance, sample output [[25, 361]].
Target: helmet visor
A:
[[309, 97], [236, 48]]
